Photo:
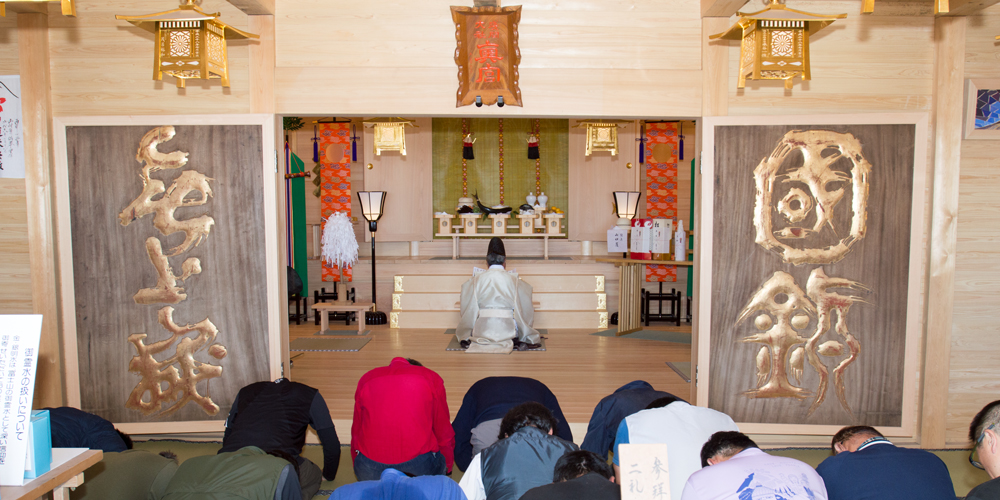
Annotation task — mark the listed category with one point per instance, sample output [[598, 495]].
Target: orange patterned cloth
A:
[[335, 182], [661, 186]]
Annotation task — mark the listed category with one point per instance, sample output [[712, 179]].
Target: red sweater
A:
[[401, 411]]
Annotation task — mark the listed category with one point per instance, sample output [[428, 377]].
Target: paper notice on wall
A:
[[19, 335], [11, 131], [644, 472]]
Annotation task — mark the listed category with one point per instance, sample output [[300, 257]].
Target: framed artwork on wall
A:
[[811, 271], [169, 265], [982, 109]]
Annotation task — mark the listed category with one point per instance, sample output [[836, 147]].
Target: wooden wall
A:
[[975, 338], [587, 58], [593, 57], [15, 294]]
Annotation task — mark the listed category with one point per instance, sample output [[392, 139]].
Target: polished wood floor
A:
[[578, 367]]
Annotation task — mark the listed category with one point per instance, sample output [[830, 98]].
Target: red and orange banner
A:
[[335, 180], [661, 184]]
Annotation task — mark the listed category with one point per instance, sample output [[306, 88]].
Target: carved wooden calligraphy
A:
[[487, 54]]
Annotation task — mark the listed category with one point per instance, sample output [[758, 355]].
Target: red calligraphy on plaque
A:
[[489, 51], [488, 74], [480, 26]]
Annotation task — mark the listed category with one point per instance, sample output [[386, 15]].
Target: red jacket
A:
[[401, 411]]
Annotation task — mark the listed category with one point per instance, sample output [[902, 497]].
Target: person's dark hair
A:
[[284, 455], [414, 362], [661, 402], [527, 414], [989, 415], [496, 255], [847, 433], [169, 455], [725, 444], [125, 437], [574, 464]]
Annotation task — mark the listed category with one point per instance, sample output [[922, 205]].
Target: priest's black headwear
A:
[[496, 255]]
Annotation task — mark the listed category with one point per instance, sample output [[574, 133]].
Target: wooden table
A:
[[68, 465], [322, 308], [630, 290], [456, 236]]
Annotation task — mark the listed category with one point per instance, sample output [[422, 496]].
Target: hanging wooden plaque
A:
[[487, 54]]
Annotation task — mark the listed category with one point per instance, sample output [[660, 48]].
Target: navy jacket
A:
[[883, 471], [72, 428], [490, 399], [626, 400]]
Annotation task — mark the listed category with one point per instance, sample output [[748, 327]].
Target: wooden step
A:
[[538, 282], [446, 301], [543, 319]]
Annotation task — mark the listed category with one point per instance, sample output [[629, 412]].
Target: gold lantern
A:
[[68, 6], [775, 42], [602, 135], [190, 43], [389, 134]]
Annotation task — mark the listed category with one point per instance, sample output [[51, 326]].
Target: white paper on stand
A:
[[661, 235], [617, 240], [11, 129], [19, 336]]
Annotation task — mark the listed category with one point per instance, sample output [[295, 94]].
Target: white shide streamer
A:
[[340, 246]]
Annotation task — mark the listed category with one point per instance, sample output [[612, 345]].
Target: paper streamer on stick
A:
[[340, 245]]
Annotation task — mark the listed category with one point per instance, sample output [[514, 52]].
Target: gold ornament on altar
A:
[[68, 6], [389, 134], [602, 135], [774, 42], [190, 43]]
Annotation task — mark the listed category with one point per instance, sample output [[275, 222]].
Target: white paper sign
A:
[[644, 474], [19, 335], [617, 240], [11, 131], [661, 235], [642, 239]]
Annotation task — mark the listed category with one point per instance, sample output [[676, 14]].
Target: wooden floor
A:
[[578, 367]]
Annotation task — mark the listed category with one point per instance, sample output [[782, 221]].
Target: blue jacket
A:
[[626, 400], [490, 399], [883, 471], [395, 485]]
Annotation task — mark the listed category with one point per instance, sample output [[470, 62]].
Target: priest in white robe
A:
[[496, 307]]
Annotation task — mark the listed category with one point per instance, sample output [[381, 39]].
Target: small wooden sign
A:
[[487, 54]]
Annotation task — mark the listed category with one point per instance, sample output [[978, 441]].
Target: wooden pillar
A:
[[36, 106], [714, 102], [949, 71], [262, 60], [714, 68]]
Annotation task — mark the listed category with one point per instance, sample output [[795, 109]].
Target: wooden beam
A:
[[255, 7], [967, 7], [262, 65], [720, 8], [714, 68], [949, 71], [28, 7], [36, 108]]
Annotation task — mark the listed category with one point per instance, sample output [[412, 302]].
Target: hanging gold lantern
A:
[[190, 43], [388, 134], [602, 135], [774, 42], [68, 6]]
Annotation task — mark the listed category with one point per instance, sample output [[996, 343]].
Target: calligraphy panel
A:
[[169, 268], [487, 54], [812, 290]]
